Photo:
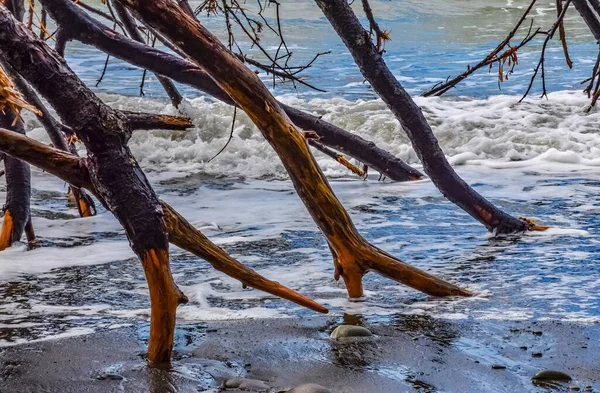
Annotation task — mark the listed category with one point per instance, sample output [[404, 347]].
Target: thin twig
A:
[[549, 36], [444, 87], [230, 135]]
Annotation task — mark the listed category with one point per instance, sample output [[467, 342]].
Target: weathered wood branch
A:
[[151, 121], [353, 145], [64, 165], [336, 156], [55, 130], [61, 38], [444, 87], [84, 28], [116, 177], [17, 7], [410, 116], [353, 255], [73, 169]]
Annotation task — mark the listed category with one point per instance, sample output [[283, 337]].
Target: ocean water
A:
[[539, 159]]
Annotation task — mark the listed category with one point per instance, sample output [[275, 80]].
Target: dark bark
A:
[[587, 14], [65, 166], [117, 178], [55, 130], [17, 7], [355, 146], [410, 116], [61, 38], [135, 34], [185, 6], [18, 189], [353, 255], [89, 31]]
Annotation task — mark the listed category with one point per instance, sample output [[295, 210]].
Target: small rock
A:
[[551, 375], [345, 331], [498, 367], [109, 376], [536, 354], [574, 388], [524, 348], [537, 333], [309, 388], [588, 389], [246, 384]]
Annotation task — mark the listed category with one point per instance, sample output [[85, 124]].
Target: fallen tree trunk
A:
[[410, 116], [112, 172], [77, 25], [16, 208], [353, 255]]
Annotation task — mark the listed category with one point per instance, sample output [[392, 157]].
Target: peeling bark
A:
[[410, 116]]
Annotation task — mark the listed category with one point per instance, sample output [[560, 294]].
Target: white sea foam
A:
[[496, 132], [519, 155]]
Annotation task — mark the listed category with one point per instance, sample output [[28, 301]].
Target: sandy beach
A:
[[408, 354]]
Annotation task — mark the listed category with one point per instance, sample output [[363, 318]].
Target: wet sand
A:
[[407, 354]]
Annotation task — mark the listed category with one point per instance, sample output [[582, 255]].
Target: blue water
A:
[[427, 46]]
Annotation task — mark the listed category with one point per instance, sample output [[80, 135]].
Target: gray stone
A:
[[309, 388], [109, 376], [346, 331], [551, 375], [246, 384]]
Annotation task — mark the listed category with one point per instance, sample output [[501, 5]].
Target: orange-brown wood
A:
[[6, 235], [85, 209], [353, 255], [165, 296]]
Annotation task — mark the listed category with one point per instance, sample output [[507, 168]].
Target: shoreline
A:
[[406, 354]]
